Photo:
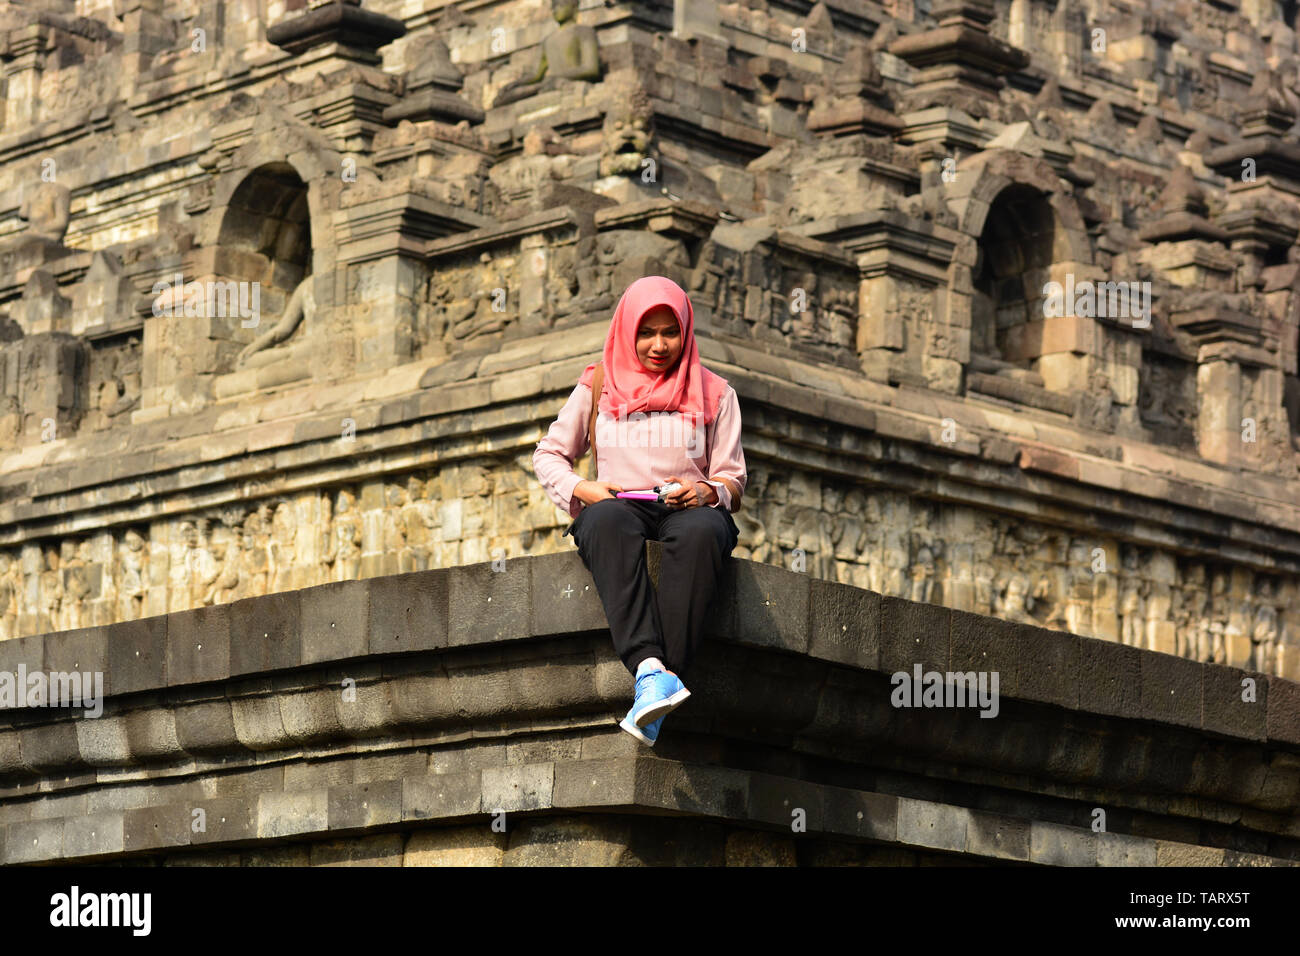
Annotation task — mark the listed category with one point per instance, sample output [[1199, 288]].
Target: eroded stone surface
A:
[[438, 221]]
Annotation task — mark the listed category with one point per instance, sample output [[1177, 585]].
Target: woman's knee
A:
[[602, 516], [606, 509], [700, 525]]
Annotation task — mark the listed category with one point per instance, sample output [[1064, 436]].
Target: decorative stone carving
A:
[[45, 209], [842, 215], [626, 136], [10, 588], [1133, 593], [301, 305], [132, 559], [343, 554], [50, 602], [432, 88], [341, 22], [568, 53], [1264, 634], [1015, 600]]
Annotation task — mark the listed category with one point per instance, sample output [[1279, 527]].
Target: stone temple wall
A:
[[469, 716], [400, 229]]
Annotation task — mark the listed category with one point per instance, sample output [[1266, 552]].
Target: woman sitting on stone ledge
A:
[[663, 419]]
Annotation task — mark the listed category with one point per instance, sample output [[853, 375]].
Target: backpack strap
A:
[[597, 384]]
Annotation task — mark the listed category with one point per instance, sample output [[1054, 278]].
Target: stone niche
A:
[[43, 387], [1037, 316], [209, 317]]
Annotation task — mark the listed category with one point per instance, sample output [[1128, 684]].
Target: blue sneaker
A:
[[657, 695], [647, 734]]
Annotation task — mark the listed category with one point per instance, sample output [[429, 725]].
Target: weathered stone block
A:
[[84, 650], [198, 645], [224, 820], [153, 828], [750, 848], [103, 742], [1224, 711], [441, 795], [408, 612], [912, 633], [265, 633], [290, 814], [488, 606], [1046, 664], [456, 846], [871, 816], [364, 706], [1119, 849], [35, 841], [1110, 678], [11, 760], [1283, 712], [722, 619], [334, 620], [207, 727], [27, 651], [564, 596], [711, 791], [772, 607], [364, 805], [936, 825], [310, 716], [787, 803], [1056, 845], [978, 643], [596, 783], [53, 746], [97, 835], [151, 735], [1183, 854], [380, 849], [258, 725], [1171, 689], [994, 835], [137, 655], [298, 855], [518, 787]]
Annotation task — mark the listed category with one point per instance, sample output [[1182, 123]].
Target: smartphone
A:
[[651, 494]]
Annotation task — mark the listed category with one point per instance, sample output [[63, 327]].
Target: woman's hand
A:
[[688, 496], [589, 492]]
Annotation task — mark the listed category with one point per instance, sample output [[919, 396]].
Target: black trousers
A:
[[668, 623]]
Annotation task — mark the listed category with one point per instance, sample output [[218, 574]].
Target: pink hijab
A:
[[687, 387]]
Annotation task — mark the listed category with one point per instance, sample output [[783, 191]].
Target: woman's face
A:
[[658, 337]]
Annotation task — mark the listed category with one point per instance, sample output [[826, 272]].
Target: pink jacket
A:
[[641, 452]]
